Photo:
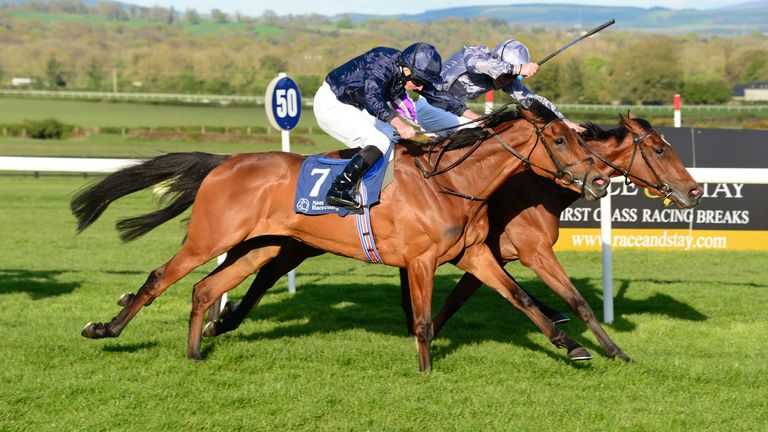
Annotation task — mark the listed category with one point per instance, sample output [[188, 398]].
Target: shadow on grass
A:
[[130, 348], [318, 308], [656, 304], [38, 284]]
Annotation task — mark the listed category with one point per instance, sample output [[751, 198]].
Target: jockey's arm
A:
[[403, 130], [470, 114]]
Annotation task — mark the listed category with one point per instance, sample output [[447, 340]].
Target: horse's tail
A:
[[181, 173]]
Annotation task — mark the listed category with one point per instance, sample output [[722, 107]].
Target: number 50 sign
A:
[[283, 103]]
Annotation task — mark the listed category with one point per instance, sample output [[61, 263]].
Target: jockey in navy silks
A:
[[472, 72], [358, 101]]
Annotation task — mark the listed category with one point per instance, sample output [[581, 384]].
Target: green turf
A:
[[335, 355], [307, 139], [119, 114]]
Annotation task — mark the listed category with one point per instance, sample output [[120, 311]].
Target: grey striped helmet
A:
[[512, 51]]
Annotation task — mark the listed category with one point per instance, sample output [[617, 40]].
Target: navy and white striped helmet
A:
[[424, 62]]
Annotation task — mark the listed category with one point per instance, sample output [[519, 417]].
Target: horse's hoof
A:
[[210, 329], [559, 318], [579, 353], [195, 356], [94, 330], [126, 299], [625, 358], [89, 331]]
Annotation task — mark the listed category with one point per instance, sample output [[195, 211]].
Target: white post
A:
[[215, 311], [677, 111], [605, 231], [286, 140], [286, 147], [223, 299]]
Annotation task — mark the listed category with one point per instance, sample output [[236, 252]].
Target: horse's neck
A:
[[613, 150], [486, 169], [528, 190]]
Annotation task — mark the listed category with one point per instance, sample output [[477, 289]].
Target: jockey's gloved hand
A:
[[402, 129], [528, 70]]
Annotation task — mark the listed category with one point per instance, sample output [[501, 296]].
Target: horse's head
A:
[[558, 153], [642, 155]]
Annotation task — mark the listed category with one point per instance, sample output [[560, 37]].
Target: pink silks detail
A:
[[405, 107]]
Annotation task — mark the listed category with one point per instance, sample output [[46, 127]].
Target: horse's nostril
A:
[[695, 192]]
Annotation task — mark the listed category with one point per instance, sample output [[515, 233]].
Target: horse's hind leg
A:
[[158, 281], [241, 262], [293, 253]]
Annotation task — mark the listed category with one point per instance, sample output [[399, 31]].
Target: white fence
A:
[[307, 101], [68, 165], [190, 98]]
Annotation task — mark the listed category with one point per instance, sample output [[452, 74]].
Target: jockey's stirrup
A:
[[340, 193]]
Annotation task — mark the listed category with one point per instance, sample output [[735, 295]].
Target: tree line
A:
[[162, 50]]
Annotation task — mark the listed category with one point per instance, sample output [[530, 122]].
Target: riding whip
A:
[[588, 34]]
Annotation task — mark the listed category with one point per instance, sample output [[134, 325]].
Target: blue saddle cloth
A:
[[315, 178]]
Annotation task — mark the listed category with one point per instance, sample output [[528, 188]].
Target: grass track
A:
[[335, 357], [91, 114]]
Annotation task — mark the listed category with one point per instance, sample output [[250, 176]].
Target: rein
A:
[[660, 185], [561, 172]]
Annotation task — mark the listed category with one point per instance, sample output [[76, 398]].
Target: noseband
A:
[[561, 173], [637, 141]]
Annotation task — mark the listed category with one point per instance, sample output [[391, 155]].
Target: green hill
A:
[[752, 17]]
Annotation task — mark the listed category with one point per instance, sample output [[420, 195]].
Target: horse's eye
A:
[[560, 141], [659, 150]]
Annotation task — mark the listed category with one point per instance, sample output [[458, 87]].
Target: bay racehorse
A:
[[524, 215], [243, 205]]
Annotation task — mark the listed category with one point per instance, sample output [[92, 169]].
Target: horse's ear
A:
[[630, 123]]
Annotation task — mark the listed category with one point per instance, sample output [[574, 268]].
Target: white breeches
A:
[[352, 126]]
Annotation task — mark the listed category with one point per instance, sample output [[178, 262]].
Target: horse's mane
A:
[[466, 137], [469, 136], [595, 132]]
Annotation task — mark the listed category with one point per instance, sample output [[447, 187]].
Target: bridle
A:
[[561, 171], [637, 141]]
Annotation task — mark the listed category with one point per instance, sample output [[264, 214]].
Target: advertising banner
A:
[[729, 216]]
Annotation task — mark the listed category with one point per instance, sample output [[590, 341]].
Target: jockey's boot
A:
[[340, 193]]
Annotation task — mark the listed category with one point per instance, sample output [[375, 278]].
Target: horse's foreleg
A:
[[479, 261], [158, 281], [468, 286], [421, 278], [548, 268], [240, 263], [293, 253]]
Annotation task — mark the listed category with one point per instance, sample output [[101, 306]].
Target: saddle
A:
[[317, 173]]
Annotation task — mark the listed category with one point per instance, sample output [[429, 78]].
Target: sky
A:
[[388, 7]]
